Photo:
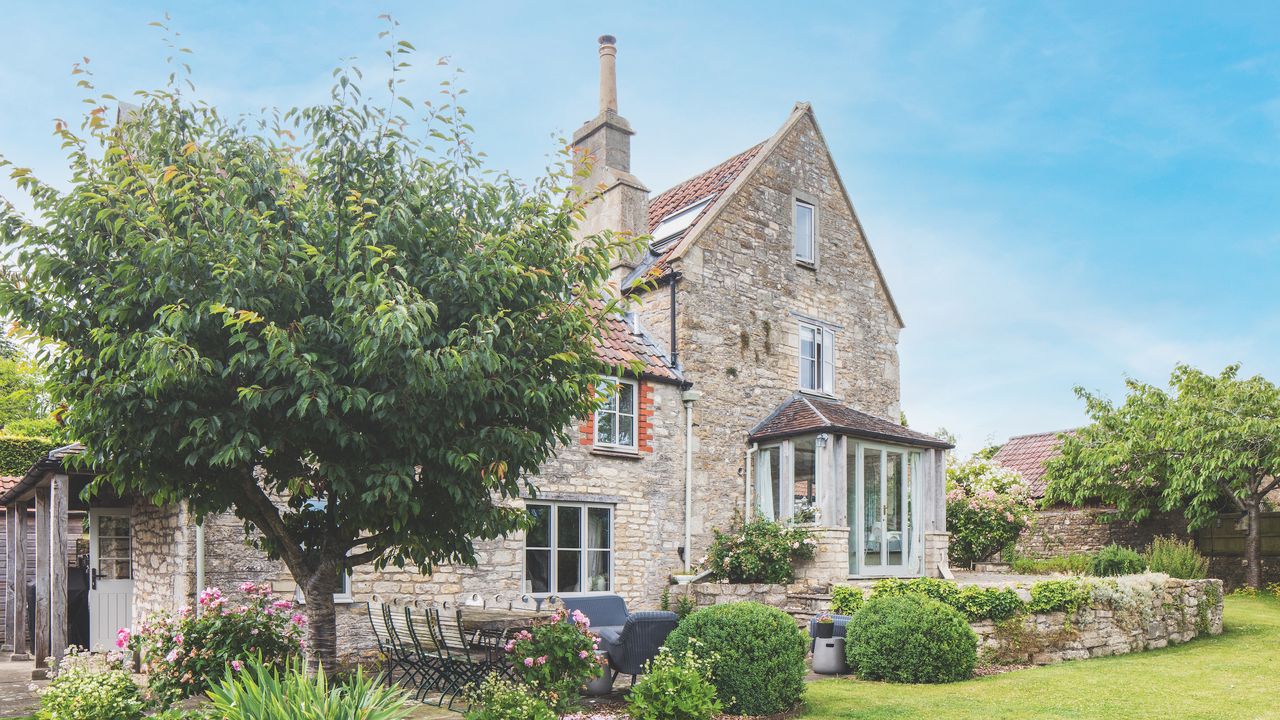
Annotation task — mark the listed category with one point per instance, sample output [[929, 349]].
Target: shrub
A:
[[262, 691], [1115, 560], [997, 604], [944, 591], [500, 699], [1176, 558], [846, 599], [760, 551], [556, 658], [676, 687], [1073, 564], [1059, 595], [182, 655], [910, 638], [757, 655], [87, 687], [19, 452], [987, 507]]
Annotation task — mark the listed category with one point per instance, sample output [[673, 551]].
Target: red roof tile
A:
[[800, 414], [1027, 455], [622, 345], [710, 184], [7, 482]]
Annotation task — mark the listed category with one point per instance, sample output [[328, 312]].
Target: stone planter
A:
[[602, 685]]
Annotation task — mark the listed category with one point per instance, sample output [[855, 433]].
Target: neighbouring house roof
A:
[[1027, 455], [801, 414], [625, 342]]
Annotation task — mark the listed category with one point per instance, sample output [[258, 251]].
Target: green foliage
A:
[[332, 320], [685, 604], [846, 599], [32, 427], [1116, 560], [1073, 564], [22, 391], [556, 658], [979, 603], [1209, 442], [497, 698], [910, 638], [676, 687], [183, 655], [1177, 558], [987, 507], [18, 452], [757, 655], [759, 551], [264, 692], [1069, 596], [87, 687]]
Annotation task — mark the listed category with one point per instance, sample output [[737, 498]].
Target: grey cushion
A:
[[601, 610]]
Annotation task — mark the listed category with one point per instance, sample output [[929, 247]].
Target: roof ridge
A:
[[1041, 434], [821, 415], [704, 173]]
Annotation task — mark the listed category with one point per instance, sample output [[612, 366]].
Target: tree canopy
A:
[[332, 320], [1209, 443]]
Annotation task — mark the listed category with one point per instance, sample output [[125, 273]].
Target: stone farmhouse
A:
[[768, 338]]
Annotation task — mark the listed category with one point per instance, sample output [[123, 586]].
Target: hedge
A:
[[18, 453]]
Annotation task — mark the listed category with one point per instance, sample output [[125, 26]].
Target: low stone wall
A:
[[1143, 612], [1067, 530]]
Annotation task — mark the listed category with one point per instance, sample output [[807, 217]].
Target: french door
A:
[[880, 509]]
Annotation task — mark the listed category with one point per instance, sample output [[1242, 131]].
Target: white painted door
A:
[[880, 510], [110, 576]]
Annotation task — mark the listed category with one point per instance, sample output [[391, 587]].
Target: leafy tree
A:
[[1210, 442], [22, 395], [329, 320]]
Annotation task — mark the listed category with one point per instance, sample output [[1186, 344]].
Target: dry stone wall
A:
[[1063, 531], [1148, 612]]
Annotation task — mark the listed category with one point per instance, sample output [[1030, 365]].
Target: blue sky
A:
[[1059, 194]]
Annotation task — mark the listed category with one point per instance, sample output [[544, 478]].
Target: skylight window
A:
[[677, 222]]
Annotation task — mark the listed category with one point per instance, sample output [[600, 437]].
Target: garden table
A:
[[498, 622]]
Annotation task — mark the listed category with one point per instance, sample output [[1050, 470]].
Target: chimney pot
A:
[[608, 74]]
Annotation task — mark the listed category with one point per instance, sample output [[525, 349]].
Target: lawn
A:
[[1229, 676]]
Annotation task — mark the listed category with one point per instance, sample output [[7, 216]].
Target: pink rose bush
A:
[[556, 658], [183, 655], [987, 508]]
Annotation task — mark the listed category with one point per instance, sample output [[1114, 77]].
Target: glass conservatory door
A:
[[879, 511]]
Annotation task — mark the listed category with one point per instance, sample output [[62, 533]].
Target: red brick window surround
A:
[[625, 424]]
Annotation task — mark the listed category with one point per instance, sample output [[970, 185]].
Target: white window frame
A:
[[823, 361], [342, 597], [812, 257], [618, 385], [553, 564]]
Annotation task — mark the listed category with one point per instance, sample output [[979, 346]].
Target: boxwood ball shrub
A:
[[910, 638], [1116, 560], [756, 651]]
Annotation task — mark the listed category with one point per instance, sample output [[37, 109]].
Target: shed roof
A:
[[1027, 455]]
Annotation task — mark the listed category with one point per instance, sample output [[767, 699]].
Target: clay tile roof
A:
[[622, 344], [1027, 455], [7, 482], [800, 414], [707, 185]]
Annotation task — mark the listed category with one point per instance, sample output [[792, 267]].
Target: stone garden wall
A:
[[1146, 612], [1068, 530]]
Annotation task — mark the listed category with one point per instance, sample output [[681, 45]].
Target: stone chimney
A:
[[604, 145]]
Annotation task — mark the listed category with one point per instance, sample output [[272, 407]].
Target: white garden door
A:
[[880, 510], [110, 576]]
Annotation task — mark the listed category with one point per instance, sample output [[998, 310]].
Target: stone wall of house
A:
[[1172, 611], [740, 303], [936, 545], [163, 554], [646, 492], [1067, 530]]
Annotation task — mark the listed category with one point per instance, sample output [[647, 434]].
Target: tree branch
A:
[[263, 513]]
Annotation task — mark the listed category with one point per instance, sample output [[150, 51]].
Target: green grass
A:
[[1229, 676]]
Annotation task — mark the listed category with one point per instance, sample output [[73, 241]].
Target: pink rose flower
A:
[[542, 660], [582, 654], [528, 662], [122, 637]]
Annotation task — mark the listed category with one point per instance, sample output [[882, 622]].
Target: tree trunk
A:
[[1253, 546], [322, 620]]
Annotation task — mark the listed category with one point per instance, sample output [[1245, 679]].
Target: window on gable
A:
[[569, 548], [805, 247], [616, 421], [817, 359]]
